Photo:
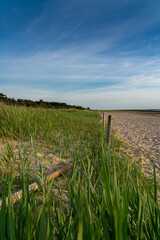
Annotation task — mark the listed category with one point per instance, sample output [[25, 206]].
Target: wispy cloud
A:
[[74, 65], [91, 53], [105, 98], [127, 82]]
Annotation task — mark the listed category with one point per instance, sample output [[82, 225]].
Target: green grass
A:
[[106, 196], [59, 129]]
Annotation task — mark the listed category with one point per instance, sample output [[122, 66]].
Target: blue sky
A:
[[104, 54]]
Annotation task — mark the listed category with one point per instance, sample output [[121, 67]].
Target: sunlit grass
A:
[[106, 196]]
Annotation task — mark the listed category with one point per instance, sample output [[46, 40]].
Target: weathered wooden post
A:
[[103, 120], [109, 130]]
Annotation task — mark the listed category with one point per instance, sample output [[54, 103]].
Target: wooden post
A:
[[103, 120], [109, 130]]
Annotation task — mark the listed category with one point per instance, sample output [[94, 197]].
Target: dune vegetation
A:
[[105, 196]]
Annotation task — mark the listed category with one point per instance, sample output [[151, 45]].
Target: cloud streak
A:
[[105, 98], [74, 66], [99, 54]]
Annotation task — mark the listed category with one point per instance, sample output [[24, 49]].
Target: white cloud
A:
[[133, 82], [72, 65], [105, 98]]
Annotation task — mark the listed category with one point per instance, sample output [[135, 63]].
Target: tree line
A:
[[29, 103]]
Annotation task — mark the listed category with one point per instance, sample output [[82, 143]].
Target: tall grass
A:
[[62, 130], [57, 131], [107, 197]]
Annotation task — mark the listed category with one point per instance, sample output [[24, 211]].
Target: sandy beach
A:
[[142, 132]]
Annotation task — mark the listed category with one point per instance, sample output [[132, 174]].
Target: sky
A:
[[102, 54]]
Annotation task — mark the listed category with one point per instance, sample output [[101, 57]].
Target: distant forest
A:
[[43, 104]]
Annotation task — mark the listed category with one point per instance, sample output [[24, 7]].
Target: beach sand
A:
[[142, 132]]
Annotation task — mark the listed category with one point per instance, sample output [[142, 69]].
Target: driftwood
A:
[[34, 186]]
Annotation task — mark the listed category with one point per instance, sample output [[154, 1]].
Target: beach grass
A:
[[105, 196]]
